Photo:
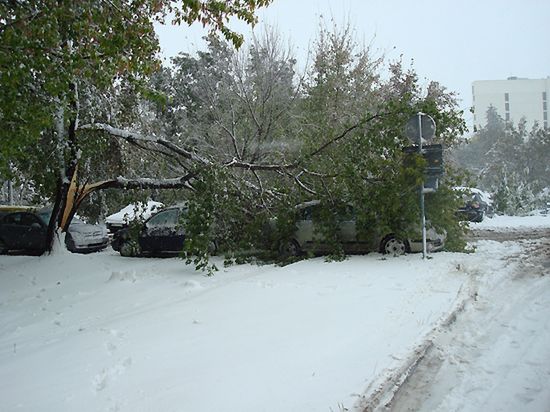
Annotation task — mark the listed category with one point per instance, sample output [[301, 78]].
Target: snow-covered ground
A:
[[536, 220], [102, 332]]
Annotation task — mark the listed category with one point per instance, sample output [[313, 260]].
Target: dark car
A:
[[161, 234], [25, 231], [475, 207]]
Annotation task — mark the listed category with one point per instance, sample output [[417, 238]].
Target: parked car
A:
[[120, 219], [307, 238], [477, 205], [25, 231], [161, 234]]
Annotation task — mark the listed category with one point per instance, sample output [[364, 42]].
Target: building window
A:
[[545, 115], [544, 106], [544, 96], [506, 97], [507, 117], [507, 106]]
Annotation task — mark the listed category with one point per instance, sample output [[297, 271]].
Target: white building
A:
[[513, 99]]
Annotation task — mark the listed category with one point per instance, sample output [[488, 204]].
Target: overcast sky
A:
[[453, 42]]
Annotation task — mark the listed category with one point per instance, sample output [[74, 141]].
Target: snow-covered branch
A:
[[145, 183], [132, 137]]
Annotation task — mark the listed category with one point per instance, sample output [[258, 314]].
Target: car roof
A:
[[307, 204], [16, 208]]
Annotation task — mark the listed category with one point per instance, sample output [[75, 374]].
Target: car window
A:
[[306, 213], [347, 214], [21, 219], [28, 219], [167, 218], [13, 219]]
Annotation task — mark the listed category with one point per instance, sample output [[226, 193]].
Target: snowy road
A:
[[496, 356]]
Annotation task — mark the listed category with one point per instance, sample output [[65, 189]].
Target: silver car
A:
[[81, 237], [307, 237]]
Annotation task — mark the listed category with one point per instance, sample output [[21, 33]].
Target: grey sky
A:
[[453, 42]]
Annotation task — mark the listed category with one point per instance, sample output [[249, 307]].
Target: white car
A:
[[81, 237], [25, 230]]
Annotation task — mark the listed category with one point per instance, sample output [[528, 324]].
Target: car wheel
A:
[[478, 218], [213, 248], [69, 242], [392, 245], [3, 247], [290, 248], [130, 248]]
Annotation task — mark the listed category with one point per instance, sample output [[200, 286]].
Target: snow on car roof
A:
[[129, 212], [485, 196]]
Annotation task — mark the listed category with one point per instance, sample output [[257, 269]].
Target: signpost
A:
[[421, 128]]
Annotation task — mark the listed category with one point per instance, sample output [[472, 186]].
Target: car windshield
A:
[[45, 215], [164, 219]]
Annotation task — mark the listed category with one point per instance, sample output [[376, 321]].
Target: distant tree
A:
[[509, 161]]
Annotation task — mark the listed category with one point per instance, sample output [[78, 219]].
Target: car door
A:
[[347, 230], [24, 231], [158, 235], [11, 231], [176, 234], [305, 230]]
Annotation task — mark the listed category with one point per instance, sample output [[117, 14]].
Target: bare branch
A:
[[302, 185], [235, 163], [345, 133]]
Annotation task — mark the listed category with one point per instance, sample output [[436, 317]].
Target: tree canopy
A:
[[47, 47]]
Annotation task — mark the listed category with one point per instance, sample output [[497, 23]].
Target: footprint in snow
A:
[[108, 375]]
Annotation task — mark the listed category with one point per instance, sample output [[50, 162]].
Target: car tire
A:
[[393, 245], [478, 217], [130, 248], [3, 247], [213, 248], [69, 242], [290, 248]]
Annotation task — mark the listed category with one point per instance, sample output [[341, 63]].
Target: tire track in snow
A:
[[496, 356]]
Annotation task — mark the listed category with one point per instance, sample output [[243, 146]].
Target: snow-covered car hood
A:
[[77, 226]]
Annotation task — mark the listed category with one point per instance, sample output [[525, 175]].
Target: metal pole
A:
[[422, 210], [10, 192]]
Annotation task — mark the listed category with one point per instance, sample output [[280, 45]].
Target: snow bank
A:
[[513, 222]]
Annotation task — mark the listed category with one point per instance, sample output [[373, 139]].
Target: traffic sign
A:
[[420, 126]]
